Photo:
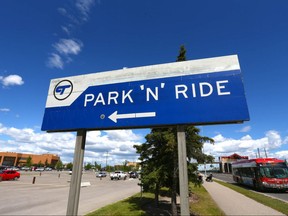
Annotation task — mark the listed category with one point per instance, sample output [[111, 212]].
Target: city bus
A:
[[262, 174]]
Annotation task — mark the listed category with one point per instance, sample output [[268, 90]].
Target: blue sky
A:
[[43, 40]]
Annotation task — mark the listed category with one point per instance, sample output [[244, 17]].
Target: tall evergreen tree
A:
[[182, 54], [159, 156]]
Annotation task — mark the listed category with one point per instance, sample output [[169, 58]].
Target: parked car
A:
[[101, 174], [26, 168], [40, 169], [133, 175], [12, 168], [9, 175], [70, 172], [118, 175], [3, 167]]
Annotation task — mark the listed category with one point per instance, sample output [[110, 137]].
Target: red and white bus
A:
[[262, 173]]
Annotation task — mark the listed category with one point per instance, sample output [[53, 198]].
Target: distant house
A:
[[225, 162]]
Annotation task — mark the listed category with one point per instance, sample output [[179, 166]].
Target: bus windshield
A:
[[274, 171]]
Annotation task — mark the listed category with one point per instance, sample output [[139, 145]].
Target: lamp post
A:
[[106, 160]]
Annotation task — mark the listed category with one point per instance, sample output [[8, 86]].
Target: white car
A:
[[118, 175], [13, 168], [70, 172], [26, 168], [101, 174]]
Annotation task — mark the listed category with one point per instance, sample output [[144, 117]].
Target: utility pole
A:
[[259, 153], [265, 152], [106, 160]]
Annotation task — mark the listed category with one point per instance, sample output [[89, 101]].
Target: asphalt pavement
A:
[[50, 191], [234, 203]]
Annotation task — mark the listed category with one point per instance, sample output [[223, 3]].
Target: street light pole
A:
[[106, 160]]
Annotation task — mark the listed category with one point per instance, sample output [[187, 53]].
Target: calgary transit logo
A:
[[63, 90]]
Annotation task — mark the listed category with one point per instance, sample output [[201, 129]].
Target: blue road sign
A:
[[198, 92]]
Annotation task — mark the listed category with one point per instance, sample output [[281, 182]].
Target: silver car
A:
[[101, 174]]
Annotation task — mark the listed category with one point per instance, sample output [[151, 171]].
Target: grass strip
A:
[[129, 206], [276, 204], [205, 204], [200, 204]]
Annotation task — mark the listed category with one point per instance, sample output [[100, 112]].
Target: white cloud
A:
[[246, 145], [62, 11], [116, 146], [4, 110], [274, 139], [64, 48], [65, 29], [55, 61], [98, 144], [219, 138], [245, 129], [121, 135], [84, 7], [285, 140], [11, 80], [282, 154], [68, 46]]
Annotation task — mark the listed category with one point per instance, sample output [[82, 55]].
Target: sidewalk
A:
[[234, 203]]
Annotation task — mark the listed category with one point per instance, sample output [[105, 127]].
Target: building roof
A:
[[234, 156]]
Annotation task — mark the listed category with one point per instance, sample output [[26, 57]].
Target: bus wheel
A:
[[258, 187]]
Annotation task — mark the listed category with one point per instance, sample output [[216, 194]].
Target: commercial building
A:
[[133, 164], [20, 159], [226, 162]]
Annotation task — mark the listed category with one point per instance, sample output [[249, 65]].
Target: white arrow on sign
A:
[[114, 116]]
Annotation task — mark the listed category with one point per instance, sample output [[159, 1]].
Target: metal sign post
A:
[[75, 184], [183, 176]]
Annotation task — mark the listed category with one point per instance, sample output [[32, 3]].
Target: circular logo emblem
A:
[[63, 90]]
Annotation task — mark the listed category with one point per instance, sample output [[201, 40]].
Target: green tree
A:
[[59, 165], [29, 161], [109, 168], [40, 164], [182, 54], [159, 159], [125, 167], [97, 166], [159, 156], [46, 164], [88, 166], [69, 166]]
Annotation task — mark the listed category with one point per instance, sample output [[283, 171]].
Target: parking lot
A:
[[49, 193]]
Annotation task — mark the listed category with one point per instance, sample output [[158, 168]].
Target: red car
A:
[[9, 175]]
